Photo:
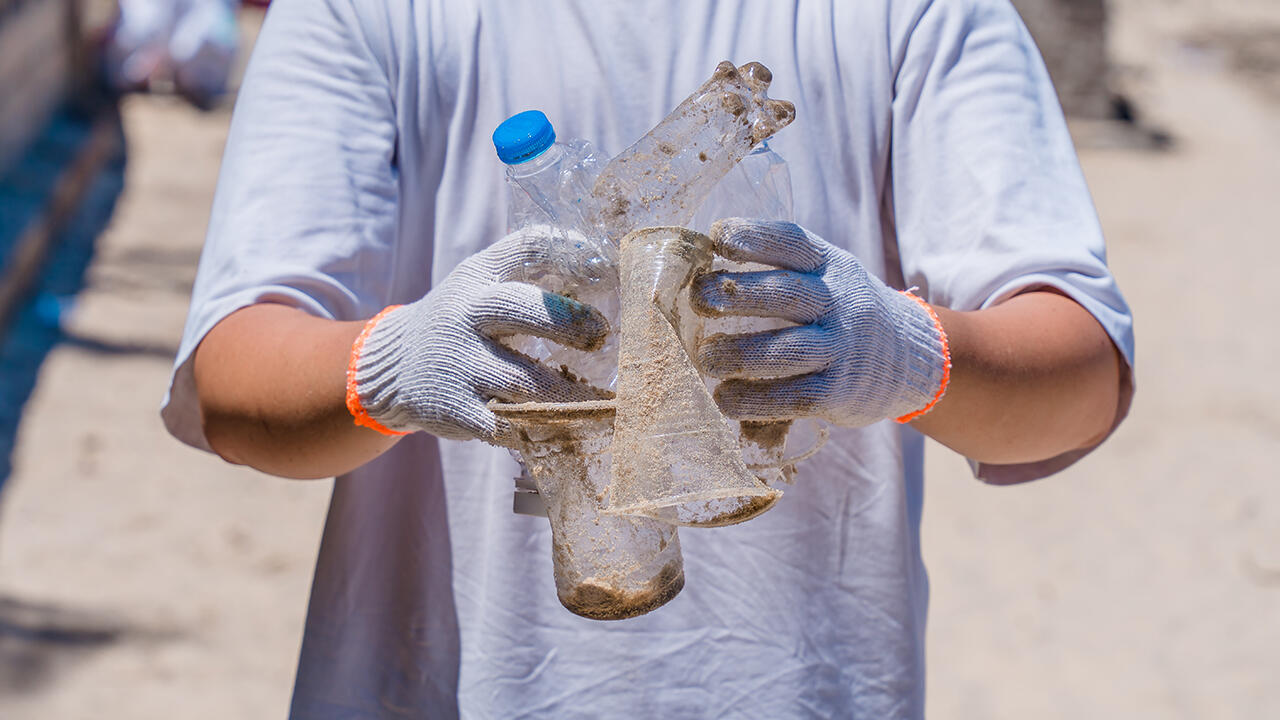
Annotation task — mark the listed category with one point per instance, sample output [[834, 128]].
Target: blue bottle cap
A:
[[523, 136]]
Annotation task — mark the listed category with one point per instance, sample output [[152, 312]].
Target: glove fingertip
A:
[[712, 353], [772, 242], [485, 425], [706, 298], [726, 236], [728, 396], [504, 434], [585, 327]]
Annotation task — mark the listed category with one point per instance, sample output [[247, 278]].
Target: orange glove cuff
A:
[[354, 406], [946, 360]]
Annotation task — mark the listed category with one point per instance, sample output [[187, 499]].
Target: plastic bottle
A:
[[758, 187], [649, 479], [526, 142], [666, 175], [549, 184], [606, 567]]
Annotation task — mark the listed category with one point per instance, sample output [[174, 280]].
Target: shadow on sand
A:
[[38, 640]]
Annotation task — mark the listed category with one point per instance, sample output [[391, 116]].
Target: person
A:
[[358, 182], [192, 42]]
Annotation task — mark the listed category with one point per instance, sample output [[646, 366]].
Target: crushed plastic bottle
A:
[[759, 187], [665, 176], [549, 184]]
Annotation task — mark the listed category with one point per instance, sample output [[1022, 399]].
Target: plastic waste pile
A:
[[618, 476]]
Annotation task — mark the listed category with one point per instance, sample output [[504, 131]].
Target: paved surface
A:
[[140, 579]]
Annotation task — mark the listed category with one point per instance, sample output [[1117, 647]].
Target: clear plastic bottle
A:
[[526, 143], [666, 175], [758, 187], [550, 185], [606, 566]]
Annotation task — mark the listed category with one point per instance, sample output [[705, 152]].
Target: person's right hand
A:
[[434, 364]]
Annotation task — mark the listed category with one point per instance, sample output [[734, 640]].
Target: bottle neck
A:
[[549, 158]]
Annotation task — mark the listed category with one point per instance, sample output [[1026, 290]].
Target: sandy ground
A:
[[1145, 581], [141, 579]]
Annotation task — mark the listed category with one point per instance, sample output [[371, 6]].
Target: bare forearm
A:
[[271, 381], [1031, 378]]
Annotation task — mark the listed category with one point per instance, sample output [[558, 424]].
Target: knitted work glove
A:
[[434, 364], [861, 353]]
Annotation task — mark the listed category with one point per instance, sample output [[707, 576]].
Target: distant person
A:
[[191, 43], [356, 266]]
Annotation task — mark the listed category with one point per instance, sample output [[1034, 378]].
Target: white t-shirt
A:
[[359, 171]]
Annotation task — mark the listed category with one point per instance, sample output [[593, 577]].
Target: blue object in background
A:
[[35, 327]]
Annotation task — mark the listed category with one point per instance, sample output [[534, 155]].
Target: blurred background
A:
[[142, 579]]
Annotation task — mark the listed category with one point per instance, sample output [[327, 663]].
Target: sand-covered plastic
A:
[[616, 477], [664, 177], [674, 455], [607, 567]]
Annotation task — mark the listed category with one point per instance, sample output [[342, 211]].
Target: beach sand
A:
[[143, 579]]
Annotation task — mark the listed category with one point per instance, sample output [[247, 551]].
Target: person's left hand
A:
[[862, 352]]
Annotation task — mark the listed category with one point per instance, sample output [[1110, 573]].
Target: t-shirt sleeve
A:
[[987, 193], [305, 208]]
